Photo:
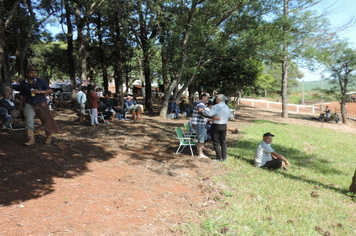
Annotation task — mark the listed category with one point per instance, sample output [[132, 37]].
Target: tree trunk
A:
[[81, 43], [118, 64], [191, 91], [19, 58], [70, 50], [102, 56], [164, 62], [5, 74], [148, 82], [343, 111], [285, 66], [177, 77], [353, 184]]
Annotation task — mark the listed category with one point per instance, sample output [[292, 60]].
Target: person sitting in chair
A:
[[173, 107], [11, 106], [117, 108], [104, 109], [131, 106], [184, 107]]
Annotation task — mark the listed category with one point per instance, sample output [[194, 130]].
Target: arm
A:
[[276, 155]]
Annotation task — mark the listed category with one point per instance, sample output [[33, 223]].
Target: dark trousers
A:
[[120, 111], [218, 136], [273, 164]]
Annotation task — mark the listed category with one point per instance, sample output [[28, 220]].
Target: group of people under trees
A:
[[206, 114], [107, 105], [182, 108], [214, 115]]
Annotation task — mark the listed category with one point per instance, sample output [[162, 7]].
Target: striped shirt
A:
[[198, 119]]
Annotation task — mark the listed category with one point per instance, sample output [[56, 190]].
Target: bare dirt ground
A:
[[121, 178]]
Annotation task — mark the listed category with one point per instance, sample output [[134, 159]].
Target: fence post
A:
[[297, 108], [252, 102], [268, 105], [313, 110]]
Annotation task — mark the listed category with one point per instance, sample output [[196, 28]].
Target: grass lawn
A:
[[261, 202]]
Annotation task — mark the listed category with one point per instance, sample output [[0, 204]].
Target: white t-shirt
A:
[[263, 154], [81, 97]]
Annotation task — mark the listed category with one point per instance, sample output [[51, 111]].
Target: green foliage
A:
[[275, 70]]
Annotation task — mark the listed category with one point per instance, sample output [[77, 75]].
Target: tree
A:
[[339, 59], [196, 31], [294, 26], [264, 82], [275, 70]]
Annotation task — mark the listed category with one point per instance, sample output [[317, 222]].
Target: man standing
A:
[[198, 122], [265, 156], [82, 99], [221, 113], [33, 101]]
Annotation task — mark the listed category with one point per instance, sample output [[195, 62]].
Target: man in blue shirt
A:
[[221, 113], [33, 101], [198, 122]]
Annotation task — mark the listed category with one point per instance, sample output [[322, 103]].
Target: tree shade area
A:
[[229, 47]]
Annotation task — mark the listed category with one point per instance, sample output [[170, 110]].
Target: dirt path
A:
[[121, 178]]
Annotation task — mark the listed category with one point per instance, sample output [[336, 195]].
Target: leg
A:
[[223, 142], [274, 164], [92, 118], [215, 137], [48, 138], [138, 115], [96, 116], [29, 124], [133, 114]]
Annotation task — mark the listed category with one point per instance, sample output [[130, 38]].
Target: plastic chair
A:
[[184, 141]]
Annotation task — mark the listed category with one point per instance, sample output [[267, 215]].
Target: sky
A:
[[344, 10]]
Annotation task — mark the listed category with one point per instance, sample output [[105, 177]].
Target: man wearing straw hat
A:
[[33, 101]]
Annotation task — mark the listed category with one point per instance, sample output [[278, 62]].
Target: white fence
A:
[[278, 103]]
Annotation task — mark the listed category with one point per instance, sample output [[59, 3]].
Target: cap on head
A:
[[268, 134], [30, 68]]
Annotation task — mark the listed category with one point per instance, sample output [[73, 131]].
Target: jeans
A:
[[94, 116], [29, 116]]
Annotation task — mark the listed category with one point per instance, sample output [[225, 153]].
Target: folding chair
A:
[[5, 116], [184, 141], [188, 129]]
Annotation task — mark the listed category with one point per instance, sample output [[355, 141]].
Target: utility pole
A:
[[322, 93], [303, 94]]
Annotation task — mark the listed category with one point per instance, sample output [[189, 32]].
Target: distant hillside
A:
[[310, 85]]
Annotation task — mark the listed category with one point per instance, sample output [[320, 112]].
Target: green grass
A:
[[256, 201]]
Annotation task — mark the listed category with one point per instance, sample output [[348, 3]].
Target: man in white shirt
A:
[[265, 156], [82, 99], [221, 113]]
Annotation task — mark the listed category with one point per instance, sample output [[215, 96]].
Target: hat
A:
[[30, 68], [268, 134], [184, 99]]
